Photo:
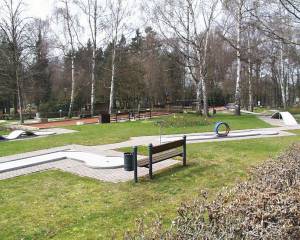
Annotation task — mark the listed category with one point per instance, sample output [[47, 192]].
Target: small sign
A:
[[258, 103]]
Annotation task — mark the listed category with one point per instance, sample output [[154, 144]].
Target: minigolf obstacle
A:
[[287, 118], [218, 127]]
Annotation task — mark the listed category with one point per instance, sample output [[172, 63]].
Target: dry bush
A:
[[265, 207]]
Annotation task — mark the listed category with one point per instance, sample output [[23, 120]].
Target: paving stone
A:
[[80, 169]]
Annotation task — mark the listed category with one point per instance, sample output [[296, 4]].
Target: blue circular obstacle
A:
[[218, 126]]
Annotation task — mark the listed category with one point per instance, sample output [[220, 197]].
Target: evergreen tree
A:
[[41, 72]]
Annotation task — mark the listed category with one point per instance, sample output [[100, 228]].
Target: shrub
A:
[[265, 207]]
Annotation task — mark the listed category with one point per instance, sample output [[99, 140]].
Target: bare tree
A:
[[190, 22], [278, 25], [14, 25], [250, 83], [116, 22], [292, 6], [92, 10], [238, 10], [70, 27]]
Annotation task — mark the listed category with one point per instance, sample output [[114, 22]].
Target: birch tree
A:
[[13, 26], [118, 12], [190, 22], [253, 41], [237, 99], [92, 10], [237, 9], [250, 84], [283, 79], [70, 28]]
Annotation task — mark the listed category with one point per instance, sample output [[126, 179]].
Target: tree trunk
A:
[[198, 92], [20, 102], [72, 88], [298, 84], [238, 71], [205, 101], [282, 85], [292, 92], [275, 83], [203, 67], [250, 78], [112, 84], [93, 81], [93, 27]]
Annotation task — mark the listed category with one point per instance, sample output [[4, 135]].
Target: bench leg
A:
[[135, 164], [150, 161], [184, 151]]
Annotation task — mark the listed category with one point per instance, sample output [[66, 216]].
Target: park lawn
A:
[[294, 110], [3, 132], [295, 131], [260, 109], [58, 205], [297, 117], [116, 132]]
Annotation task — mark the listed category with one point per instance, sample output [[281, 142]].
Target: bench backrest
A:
[[167, 146]]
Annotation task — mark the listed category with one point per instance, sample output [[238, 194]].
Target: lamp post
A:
[[160, 123]]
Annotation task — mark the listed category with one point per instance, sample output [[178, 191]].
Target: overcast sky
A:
[[45, 8], [39, 8]]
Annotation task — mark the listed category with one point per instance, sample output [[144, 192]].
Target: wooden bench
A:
[[160, 153]]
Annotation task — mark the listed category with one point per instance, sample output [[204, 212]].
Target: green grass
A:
[[295, 131], [294, 110], [260, 109], [117, 132], [297, 117], [3, 132], [57, 205]]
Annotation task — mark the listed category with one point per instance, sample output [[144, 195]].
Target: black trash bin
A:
[[104, 118], [128, 161]]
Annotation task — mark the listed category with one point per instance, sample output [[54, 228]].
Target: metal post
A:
[[135, 164], [150, 114], [184, 151], [150, 161], [160, 133]]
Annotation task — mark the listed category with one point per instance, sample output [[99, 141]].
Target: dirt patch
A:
[[63, 123]]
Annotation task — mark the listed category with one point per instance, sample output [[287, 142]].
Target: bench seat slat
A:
[[158, 157], [167, 146]]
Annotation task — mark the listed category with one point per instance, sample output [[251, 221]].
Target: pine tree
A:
[[41, 72]]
